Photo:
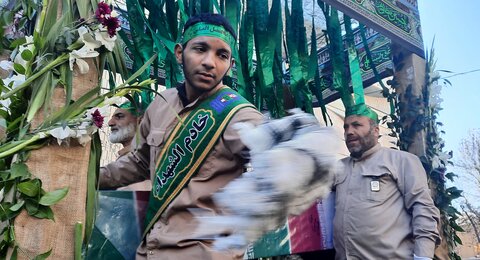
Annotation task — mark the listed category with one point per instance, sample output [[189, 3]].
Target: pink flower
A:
[[103, 11], [112, 23], [97, 118]]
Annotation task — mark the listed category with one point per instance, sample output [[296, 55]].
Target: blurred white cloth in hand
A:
[[293, 161]]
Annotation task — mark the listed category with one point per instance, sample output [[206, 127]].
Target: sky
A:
[[454, 25]]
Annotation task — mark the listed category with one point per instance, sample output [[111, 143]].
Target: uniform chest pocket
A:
[[156, 141], [378, 187]]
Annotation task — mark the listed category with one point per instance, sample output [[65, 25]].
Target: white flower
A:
[[115, 100], [6, 65], [62, 133], [84, 139], [434, 76], [16, 79], [13, 82], [114, 13], [102, 36], [436, 162], [76, 56], [440, 160], [86, 37], [6, 102], [434, 99]]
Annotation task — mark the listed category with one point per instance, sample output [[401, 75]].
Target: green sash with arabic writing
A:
[[187, 147]]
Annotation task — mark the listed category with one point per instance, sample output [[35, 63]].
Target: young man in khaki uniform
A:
[[383, 206], [190, 160]]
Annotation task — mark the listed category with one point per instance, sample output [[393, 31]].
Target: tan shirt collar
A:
[[368, 152], [183, 95], [124, 150]]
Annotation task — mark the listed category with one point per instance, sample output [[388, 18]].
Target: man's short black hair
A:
[[210, 18]]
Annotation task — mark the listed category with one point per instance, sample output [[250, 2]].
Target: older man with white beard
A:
[[123, 127]]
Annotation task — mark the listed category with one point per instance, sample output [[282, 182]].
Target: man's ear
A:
[[232, 62], [377, 131], [178, 52]]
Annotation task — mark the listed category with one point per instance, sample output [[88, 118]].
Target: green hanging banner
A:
[[354, 65], [298, 54], [378, 47], [399, 20], [336, 51], [314, 73]]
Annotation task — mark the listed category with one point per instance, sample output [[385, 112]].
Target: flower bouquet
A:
[[47, 47]]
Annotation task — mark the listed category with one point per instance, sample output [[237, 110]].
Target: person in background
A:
[[188, 147], [123, 127], [383, 206]]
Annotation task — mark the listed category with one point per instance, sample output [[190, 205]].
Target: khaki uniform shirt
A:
[[383, 207], [172, 236], [145, 185]]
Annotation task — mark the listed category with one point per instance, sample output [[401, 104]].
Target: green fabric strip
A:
[[298, 54], [265, 49], [246, 52], [354, 64], [187, 146], [143, 43], [368, 53], [313, 72], [275, 18], [337, 54], [205, 29]]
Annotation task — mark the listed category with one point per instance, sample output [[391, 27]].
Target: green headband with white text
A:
[[212, 30]]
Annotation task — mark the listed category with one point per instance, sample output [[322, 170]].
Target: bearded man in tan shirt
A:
[[383, 206], [123, 126]]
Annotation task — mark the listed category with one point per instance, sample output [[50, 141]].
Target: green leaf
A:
[[29, 188], [19, 170], [78, 241], [7, 214], [31, 206], [27, 55], [458, 239], [9, 235], [44, 213], [53, 197], [19, 68], [14, 253], [17, 206], [139, 71], [450, 176], [40, 94], [93, 170], [73, 109], [456, 227], [83, 8], [454, 193], [18, 42], [43, 256]]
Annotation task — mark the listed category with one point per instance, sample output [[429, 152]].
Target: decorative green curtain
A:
[[334, 33], [298, 55], [267, 38], [313, 73], [259, 76], [353, 63]]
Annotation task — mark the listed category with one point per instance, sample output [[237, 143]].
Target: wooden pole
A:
[[410, 77], [58, 167]]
